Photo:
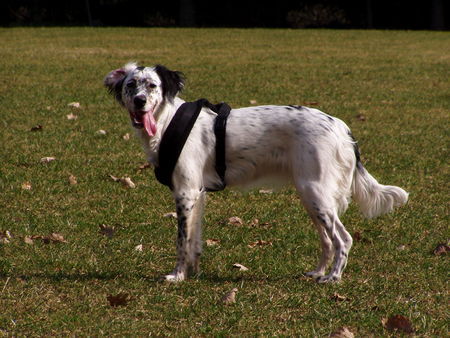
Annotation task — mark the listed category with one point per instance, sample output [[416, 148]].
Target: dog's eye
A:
[[151, 85], [131, 84]]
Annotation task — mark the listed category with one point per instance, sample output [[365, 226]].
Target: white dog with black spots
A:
[[303, 146]]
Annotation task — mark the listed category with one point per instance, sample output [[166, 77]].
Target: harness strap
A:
[[178, 131], [220, 126]]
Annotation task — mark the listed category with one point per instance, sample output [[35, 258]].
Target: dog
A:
[[304, 146]]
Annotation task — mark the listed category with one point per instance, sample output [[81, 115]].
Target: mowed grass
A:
[[392, 89]]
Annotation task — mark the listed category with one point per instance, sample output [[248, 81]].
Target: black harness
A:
[[177, 132]]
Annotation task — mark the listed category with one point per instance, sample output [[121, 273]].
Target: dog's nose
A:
[[140, 101]]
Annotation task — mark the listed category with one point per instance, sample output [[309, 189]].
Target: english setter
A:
[[314, 151]]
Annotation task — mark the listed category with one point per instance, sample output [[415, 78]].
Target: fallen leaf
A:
[[259, 243], [311, 103], [398, 322], [139, 248], [106, 230], [55, 237], [254, 222], [52, 238], [401, 247], [253, 102], [37, 127], [72, 180], [47, 159], [126, 137], [74, 105], [5, 236], [240, 267], [127, 182], [441, 249], [170, 215], [266, 191], [26, 186], [342, 332], [230, 297], [235, 221], [360, 117], [114, 178], [121, 299], [145, 166], [101, 132], [28, 240], [338, 298], [71, 116], [212, 242]]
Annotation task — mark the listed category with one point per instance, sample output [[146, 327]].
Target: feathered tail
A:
[[373, 198]]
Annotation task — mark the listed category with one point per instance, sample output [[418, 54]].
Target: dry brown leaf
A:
[[114, 178], [441, 249], [106, 230], [47, 159], [342, 332], [139, 248], [52, 238], [5, 236], [398, 322], [170, 215], [74, 105], [361, 117], [145, 166], [235, 221], [101, 132], [311, 103], [259, 243], [230, 297], [55, 238], [72, 180], [121, 299], [71, 116], [26, 186], [212, 242], [37, 127], [253, 102], [127, 182], [28, 240], [240, 267], [338, 298], [126, 137]]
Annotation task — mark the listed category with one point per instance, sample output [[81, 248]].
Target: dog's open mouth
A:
[[144, 119]]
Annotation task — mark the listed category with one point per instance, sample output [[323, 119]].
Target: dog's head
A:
[[143, 91]]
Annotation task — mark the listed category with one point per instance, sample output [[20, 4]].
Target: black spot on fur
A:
[[296, 107], [172, 82], [116, 90], [357, 153]]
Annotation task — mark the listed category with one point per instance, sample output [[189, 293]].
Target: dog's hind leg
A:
[[189, 205], [332, 233]]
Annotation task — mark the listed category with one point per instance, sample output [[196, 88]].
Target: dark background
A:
[[378, 14]]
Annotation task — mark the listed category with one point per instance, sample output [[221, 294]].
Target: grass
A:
[[397, 80]]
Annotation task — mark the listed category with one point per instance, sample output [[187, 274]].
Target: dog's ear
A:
[[114, 80], [172, 82]]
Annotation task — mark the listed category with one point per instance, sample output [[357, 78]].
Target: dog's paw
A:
[[174, 277], [314, 274], [328, 279]]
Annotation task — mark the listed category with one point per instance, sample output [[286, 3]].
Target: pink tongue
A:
[[149, 124]]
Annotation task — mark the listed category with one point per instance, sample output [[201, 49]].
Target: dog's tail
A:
[[373, 198]]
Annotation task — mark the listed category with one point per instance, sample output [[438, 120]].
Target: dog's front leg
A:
[[189, 213]]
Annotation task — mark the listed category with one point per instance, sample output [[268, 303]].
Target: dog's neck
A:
[[163, 117]]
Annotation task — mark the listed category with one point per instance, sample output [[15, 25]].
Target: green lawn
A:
[[392, 89]]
